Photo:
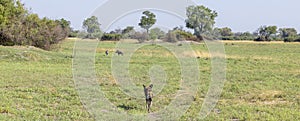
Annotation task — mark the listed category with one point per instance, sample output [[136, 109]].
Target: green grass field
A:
[[263, 82]]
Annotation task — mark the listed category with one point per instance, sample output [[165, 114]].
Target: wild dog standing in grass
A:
[[106, 52], [149, 96], [119, 52]]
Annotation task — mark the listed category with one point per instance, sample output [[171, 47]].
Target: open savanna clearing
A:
[[262, 81]]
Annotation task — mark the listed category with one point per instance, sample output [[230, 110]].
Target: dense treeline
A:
[[263, 33], [20, 27], [203, 27]]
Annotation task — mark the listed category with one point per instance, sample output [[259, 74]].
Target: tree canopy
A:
[[147, 20], [156, 33], [92, 27], [201, 19], [19, 27], [288, 34], [91, 24]]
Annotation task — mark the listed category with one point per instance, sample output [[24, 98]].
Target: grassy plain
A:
[[263, 82]]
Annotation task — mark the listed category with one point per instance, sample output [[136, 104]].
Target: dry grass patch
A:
[[249, 41], [268, 97]]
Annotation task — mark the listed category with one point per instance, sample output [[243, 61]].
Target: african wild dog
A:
[[119, 52], [106, 52], [149, 96]]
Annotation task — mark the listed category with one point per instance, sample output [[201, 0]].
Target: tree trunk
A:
[[200, 37], [147, 34]]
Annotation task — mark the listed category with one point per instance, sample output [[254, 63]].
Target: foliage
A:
[[171, 36], [128, 29], [140, 36], [156, 33], [92, 27], [288, 34], [226, 31], [82, 34], [265, 33], [185, 35], [147, 21], [19, 27], [111, 37], [74, 33], [116, 31], [227, 34], [243, 36], [292, 39], [201, 19], [128, 32]]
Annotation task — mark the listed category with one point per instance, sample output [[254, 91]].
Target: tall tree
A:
[[201, 19], [147, 21], [92, 26]]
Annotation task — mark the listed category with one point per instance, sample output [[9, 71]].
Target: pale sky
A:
[[239, 15]]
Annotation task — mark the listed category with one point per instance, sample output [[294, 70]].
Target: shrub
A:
[[171, 36], [261, 38], [82, 34], [19, 27], [156, 33], [73, 33], [292, 39], [183, 35], [111, 37], [229, 38], [140, 36]]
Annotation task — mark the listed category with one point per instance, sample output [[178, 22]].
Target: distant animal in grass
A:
[[119, 52], [148, 96], [106, 52]]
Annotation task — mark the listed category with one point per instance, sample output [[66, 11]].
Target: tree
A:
[[247, 36], [73, 33], [223, 33], [201, 19], [128, 29], [116, 31], [147, 21], [226, 31], [140, 36], [65, 26], [92, 27], [128, 32], [265, 33], [288, 34], [171, 36], [156, 33], [12, 17]]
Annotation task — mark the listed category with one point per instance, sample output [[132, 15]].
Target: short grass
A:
[[263, 82]]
